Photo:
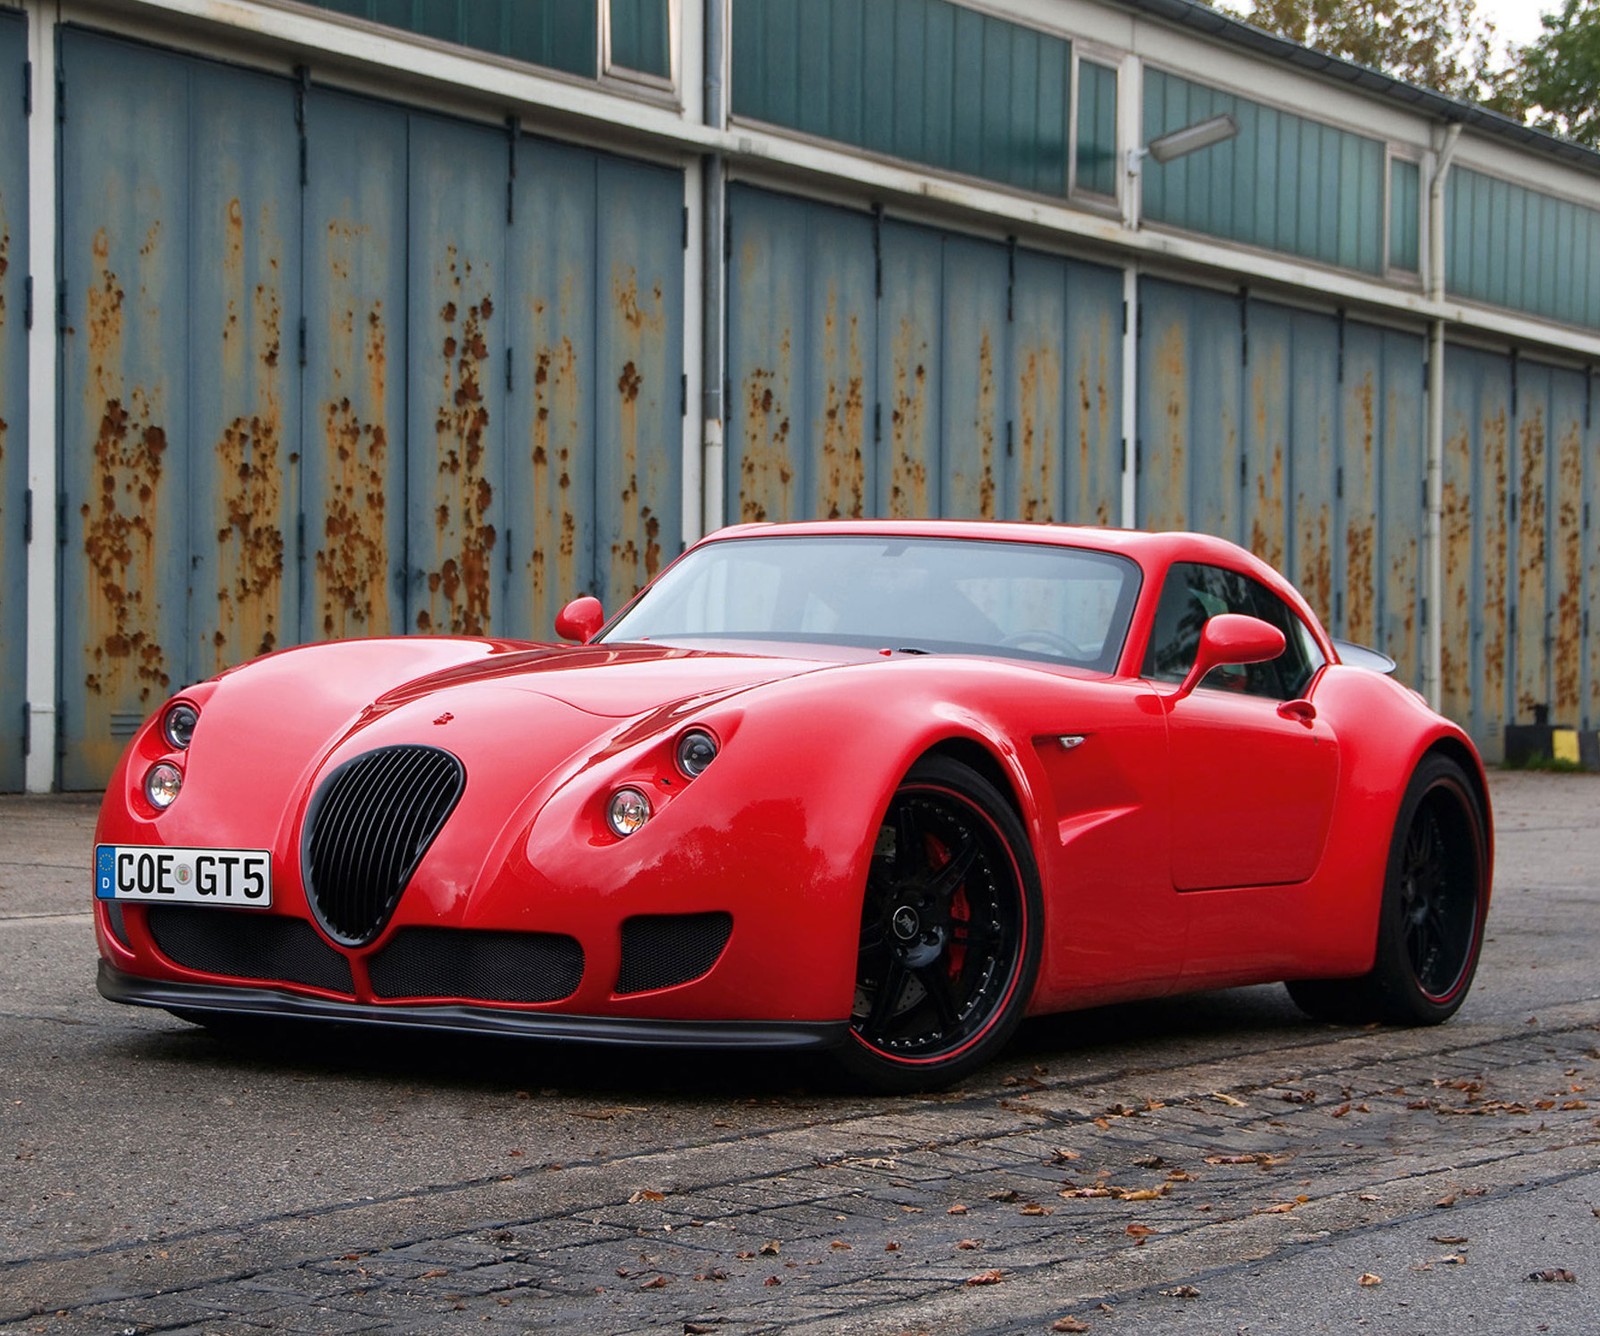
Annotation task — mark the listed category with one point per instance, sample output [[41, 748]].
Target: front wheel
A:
[[1430, 922], [950, 933]]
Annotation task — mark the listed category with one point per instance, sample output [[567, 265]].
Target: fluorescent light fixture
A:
[[1193, 138]]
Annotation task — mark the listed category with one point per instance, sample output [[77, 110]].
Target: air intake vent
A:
[[369, 825], [483, 966], [247, 944], [664, 950]]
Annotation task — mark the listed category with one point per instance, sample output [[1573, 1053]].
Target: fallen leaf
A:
[[1179, 1176], [1138, 1231], [1061, 1156], [659, 1283], [646, 1194], [1367, 1196], [697, 1329], [1368, 1279], [1143, 1194], [771, 1248], [1071, 1193], [1282, 1208], [773, 1280], [716, 1273], [1034, 1208], [1299, 1096], [1182, 1292], [840, 1245], [1448, 1239], [1069, 1324], [1005, 1194], [967, 1245], [986, 1278], [1445, 1202], [744, 1256], [434, 1274], [957, 1209], [1149, 1161], [1569, 1104], [1559, 1274], [1229, 1100]]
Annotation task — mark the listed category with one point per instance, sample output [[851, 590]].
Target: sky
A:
[[1516, 20]]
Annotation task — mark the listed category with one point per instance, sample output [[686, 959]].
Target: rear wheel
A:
[[1430, 923], [950, 933]]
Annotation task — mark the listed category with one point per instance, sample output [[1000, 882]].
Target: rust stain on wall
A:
[[1360, 558], [1165, 489], [124, 658], [1455, 641], [1532, 571], [1099, 489], [985, 427], [766, 470], [1567, 670], [352, 562], [1269, 384], [1495, 464], [1039, 404], [557, 397], [460, 588], [250, 557], [843, 415], [908, 424], [636, 548]]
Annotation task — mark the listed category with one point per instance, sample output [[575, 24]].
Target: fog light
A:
[[696, 750], [162, 783], [628, 812], [177, 725]]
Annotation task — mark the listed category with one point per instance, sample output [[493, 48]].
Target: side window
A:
[[1192, 594]]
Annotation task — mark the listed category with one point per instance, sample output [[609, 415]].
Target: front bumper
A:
[[222, 999]]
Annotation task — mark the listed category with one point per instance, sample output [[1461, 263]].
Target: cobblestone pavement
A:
[[1204, 1165]]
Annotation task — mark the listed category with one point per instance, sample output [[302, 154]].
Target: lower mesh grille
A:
[[248, 945], [664, 950], [486, 966]]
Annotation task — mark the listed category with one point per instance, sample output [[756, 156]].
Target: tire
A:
[[950, 934], [1430, 921]]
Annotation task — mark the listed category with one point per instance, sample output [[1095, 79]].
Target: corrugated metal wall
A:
[[13, 399], [234, 484], [1298, 434], [882, 368], [1521, 573]]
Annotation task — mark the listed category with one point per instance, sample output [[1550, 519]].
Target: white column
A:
[[43, 569]]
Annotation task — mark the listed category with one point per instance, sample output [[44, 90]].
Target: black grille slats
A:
[[484, 966], [664, 950], [248, 944], [370, 824]]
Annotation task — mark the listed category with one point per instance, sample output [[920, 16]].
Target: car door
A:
[[1253, 770]]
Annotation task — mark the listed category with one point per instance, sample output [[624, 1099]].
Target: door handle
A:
[[1301, 711]]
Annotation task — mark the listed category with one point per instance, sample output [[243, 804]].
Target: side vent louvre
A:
[[369, 826]]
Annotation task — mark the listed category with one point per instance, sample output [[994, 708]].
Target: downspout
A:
[[1433, 522], [713, 333]]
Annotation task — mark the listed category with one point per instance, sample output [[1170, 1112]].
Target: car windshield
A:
[[930, 595]]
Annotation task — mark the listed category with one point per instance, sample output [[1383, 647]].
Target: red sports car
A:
[[878, 789]]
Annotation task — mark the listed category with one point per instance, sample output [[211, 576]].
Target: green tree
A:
[[1445, 45], [1554, 81]]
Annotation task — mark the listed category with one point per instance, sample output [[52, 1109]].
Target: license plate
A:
[[235, 878]]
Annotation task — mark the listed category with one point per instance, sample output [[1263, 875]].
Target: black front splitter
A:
[[277, 1004]]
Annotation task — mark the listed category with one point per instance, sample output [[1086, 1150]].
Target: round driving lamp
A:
[[162, 783], [696, 750], [628, 811], [178, 724]]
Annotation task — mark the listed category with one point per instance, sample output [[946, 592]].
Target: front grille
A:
[[119, 929], [247, 944], [487, 966], [369, 825], [664, 950]]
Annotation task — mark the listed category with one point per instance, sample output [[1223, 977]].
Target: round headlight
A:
[[177, 724], [162, 784], [696, 750], [628, 811]]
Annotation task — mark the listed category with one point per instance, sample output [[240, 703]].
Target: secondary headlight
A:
[[178, 724], [627, 812], [162, 784], [696, 750]]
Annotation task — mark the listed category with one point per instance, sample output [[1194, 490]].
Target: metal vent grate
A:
[[247, 944], [664, 950], [486, 966], [369, 825]]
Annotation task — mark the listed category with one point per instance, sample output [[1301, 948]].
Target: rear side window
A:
[[1193, 593]]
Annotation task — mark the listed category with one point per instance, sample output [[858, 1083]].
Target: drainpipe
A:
[[713, 333], [1433, 522]]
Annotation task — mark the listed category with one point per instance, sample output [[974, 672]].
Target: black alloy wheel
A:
[[1430, 922], [950, 933]]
